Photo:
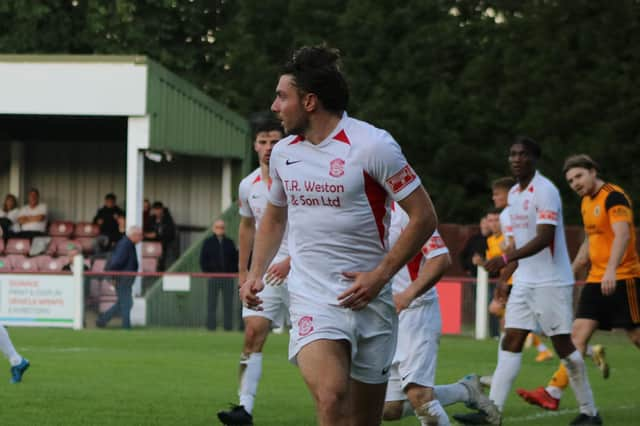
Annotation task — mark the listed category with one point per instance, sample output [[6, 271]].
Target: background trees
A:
[[453, 81]]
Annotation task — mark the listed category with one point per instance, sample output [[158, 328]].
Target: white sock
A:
[[541, 347], [7, 348], [589, 351], [504, 376], [451, 394], [580, 383], [407, 409], [431, 414], [250, 373], [500, 343], [554, 391]]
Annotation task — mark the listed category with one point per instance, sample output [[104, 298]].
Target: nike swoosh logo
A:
[[289, 162], [385, 371], [255, 196], [405, 377]]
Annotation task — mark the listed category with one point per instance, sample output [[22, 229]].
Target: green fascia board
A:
[[185, 120]]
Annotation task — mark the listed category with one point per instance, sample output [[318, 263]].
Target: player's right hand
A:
[[249, 293]]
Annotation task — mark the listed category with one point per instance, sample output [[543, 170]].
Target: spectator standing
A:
[[147, 225], [33, 217], [474, 250], [124, 259], [9, 216], [219, 254], [107, 219], [162, 228]]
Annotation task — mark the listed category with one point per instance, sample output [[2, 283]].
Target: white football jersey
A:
[[434, 247], [539, 203], [505, 223], [338, 194], [253, 193]]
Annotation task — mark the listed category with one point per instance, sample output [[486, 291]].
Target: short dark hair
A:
[[494, 210], [530, 145], [110, 196], [264, 122], [34, 190], [506, 183], [157, 205], [580, 160], [316, 69]]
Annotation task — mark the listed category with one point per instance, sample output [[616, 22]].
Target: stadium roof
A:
[[177, 116]]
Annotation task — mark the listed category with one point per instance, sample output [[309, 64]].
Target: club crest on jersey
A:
[[336, 167], [400, 180], [305, 325], [596, 211]]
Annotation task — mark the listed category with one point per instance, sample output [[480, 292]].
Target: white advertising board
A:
[[40, 300]]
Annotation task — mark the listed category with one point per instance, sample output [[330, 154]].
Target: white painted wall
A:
[[73, 88]]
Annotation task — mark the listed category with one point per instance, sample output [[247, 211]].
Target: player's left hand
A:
[[494, 264], [277, 273], [365, 288], [402, 301], [608, 285]]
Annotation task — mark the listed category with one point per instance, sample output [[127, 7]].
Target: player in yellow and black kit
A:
[[610, 299]]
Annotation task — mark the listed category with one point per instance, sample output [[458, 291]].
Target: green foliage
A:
[[453, 80]]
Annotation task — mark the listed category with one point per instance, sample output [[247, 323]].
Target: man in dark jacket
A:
[[123, 258], [162, 228], [219, 254], [107, 219]]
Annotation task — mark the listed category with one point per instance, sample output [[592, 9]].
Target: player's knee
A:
[[392, 410], [331, 403]]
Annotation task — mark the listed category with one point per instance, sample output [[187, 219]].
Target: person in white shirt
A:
[[542, 294], [332, 182], [253, 195], [33, 216]]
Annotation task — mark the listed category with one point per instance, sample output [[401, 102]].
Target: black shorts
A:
[[620, 310]]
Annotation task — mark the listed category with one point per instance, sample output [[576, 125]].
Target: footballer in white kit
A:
[[338, 196], [332, 182], [420, 324], [542, 293], [412, 376], [253, 194]]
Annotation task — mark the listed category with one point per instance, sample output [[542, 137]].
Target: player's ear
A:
[[310, 102]]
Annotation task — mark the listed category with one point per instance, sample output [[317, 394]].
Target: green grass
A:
[[182, 377]]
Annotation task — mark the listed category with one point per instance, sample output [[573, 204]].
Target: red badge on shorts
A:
[[336, 167], [305, 326], [400, 180]]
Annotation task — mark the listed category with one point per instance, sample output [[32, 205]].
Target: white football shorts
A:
[[371, 333], [275, 305], [416, 356], [549, 309]]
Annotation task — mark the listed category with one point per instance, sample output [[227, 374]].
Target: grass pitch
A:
[[183, 377]]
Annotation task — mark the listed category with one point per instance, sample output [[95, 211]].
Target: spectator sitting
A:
[[71, 254], [474, 250], [9, 216], [163, 229], [107, 219], [33, 216]]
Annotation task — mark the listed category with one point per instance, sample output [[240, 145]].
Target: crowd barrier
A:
[[194, 300]]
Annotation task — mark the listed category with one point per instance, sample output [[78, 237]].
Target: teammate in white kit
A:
[[542, 294], [18, 364], [411, 381], [253, 192], [332, 183]]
